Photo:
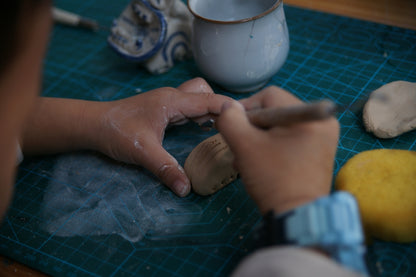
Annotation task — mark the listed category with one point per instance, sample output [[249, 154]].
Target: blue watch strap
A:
[[331, 223]]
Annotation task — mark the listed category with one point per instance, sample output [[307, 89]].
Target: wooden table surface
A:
[[400, 13]]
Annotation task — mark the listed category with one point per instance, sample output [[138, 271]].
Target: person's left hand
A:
[[132, 129]]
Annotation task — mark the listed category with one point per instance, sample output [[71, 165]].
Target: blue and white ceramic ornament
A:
[[154, 33]]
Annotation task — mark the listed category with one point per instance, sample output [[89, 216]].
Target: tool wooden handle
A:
[[270, 117], [72, 19]]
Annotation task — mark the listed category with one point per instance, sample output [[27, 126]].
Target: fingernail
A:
[[226, 106], [181, 188]]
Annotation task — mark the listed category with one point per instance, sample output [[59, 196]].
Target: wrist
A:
[[93, 127], [280, 193], [88, 126], [280, 204]]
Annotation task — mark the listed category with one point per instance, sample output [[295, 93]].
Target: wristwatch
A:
[[330, 223]]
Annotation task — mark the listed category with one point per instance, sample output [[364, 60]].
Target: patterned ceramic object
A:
[[152, 32]]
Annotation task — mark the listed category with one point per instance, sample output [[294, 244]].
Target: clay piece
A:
[[210, 166], [384, 184], [391, 110], [153, 33]]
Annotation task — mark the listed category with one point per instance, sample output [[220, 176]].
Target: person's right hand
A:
[[283, 167]]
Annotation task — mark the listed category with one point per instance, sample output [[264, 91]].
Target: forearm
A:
[[59, 125]]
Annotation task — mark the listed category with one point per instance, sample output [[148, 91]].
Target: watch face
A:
[[138, 33]]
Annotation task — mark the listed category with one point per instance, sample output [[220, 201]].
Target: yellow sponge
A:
[[384, 184]]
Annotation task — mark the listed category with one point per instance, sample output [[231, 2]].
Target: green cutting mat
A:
[[81, 214]]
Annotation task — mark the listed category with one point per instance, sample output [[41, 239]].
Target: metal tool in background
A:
[[75, 20]]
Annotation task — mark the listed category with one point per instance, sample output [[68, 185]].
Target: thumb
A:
[[167, 169], [235, 127]]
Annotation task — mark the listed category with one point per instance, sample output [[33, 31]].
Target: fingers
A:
[[194, 105], [234, 126], [270, 97], [196, 85], [165, 167], [193, 99], [199, 96]]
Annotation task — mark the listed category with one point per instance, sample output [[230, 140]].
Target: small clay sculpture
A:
[[391, 110], [210, 166]]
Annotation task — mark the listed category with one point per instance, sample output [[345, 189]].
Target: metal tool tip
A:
[[328, 107], [89, 24]]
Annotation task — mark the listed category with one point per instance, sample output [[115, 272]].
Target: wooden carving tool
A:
[[285, 116]]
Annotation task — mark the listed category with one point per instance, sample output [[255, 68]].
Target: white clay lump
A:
[[210, 166], [391, 110]]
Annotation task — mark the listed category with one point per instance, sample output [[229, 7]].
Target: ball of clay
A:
[[391, 110], [210, 166], [384, 184]]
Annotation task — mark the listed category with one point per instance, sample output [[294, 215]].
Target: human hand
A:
[[132, 129], [282, 167]]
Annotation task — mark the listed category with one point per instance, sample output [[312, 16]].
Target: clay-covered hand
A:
[[282, 167], [132, 129]]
